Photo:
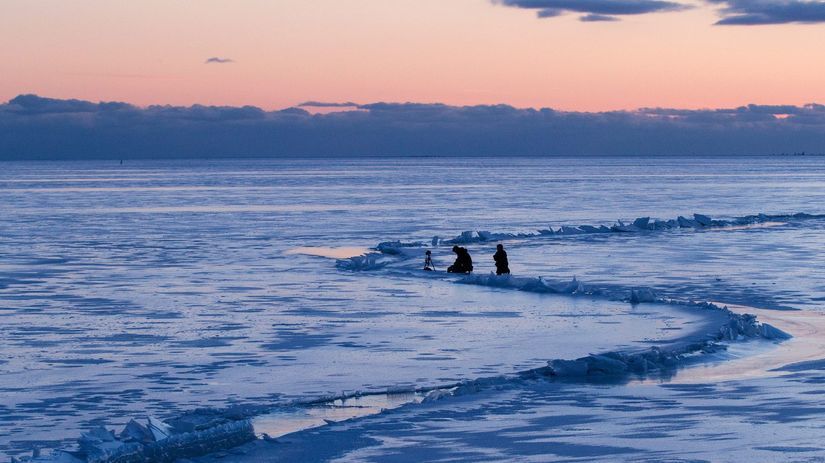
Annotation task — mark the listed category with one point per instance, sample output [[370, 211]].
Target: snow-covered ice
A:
[[159, 287]]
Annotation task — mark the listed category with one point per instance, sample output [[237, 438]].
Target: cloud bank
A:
[[732, 12], [32, 127]]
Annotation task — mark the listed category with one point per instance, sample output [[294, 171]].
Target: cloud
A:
[[323, 104], [762, 12], [549, 13], [595, 10], [32, 127], [597, 17], [218, 60]]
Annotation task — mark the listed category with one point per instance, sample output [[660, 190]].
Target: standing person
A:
[[463, 262], [428, 261], [502, 264]]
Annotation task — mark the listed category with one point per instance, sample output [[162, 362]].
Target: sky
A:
[[571, 55]]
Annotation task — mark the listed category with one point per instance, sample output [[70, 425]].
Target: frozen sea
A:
[[157, 287]]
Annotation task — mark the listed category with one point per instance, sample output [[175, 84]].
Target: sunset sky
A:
[[279, 53]]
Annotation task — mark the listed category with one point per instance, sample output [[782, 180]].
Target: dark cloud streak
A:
[[732, 12], [218, 60], [764, 12], [597, 18], [595, 10], [324, 104]]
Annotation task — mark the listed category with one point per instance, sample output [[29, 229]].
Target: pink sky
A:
[[452, 51]]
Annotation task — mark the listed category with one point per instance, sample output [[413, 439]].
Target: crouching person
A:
[[463, 262]]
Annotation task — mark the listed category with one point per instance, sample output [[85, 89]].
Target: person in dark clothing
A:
[[463, 262], [502, 264]]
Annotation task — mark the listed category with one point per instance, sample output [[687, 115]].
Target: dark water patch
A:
[[787, 449], [645, 435], [287, 340], [433, 357], [351, 345], [227, 327], [692, 389], [811, 365], [42, 343], [77, 362], [207, 342], [557, 421], [129, 338], [338, 314], [461, 314], [230, 354], [44, 330]]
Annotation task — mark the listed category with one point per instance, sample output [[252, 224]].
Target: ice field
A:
[[159, 287]]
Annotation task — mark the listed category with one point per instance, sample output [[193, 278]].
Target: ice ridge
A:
[[641, 224]]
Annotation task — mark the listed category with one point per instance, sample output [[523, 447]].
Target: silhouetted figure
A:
[[502, 264], [463, 262], [428, 261]]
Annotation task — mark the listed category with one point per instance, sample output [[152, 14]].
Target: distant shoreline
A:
[[247, 157], [798, 154]]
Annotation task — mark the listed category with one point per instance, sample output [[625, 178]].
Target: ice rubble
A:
[[376, 260], [573, 287], [200, 433], [371, 261], [657, 359], [396, 247], [529, 284], [737, 327], [641, 224], [622, 365]]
